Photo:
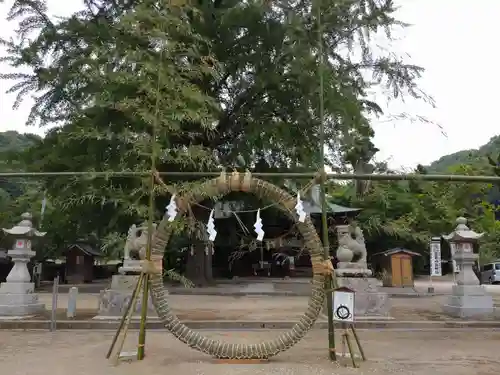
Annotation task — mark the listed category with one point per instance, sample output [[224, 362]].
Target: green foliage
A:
[[485, 199], [214, 83], [15, 194], [408, 214], [110, 83], [495, 163], [266, 87]]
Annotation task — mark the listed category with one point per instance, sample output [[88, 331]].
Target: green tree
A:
[[237, 87], [408, 213], [14, 192], [110, 82]]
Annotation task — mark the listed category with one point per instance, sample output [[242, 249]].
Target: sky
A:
[[451, 39]]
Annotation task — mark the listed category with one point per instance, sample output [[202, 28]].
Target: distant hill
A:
[[475, 157], [11, 143]]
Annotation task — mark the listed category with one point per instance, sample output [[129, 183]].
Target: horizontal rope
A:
[[330, 176]]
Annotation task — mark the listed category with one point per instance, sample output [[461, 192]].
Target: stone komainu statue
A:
[[137, 239], [358, 246], [351, 245]]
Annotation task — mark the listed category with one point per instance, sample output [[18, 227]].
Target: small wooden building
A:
[[397, 267], [80, 263]]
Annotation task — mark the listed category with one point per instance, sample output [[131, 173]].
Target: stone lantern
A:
[[468, 298], [17, 296]]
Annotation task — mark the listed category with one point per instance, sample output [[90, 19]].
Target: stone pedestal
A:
[[17, 299], [356, 270], [369, 302], [469, 301], [113, 302], [130, 266]]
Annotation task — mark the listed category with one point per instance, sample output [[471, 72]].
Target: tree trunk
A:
[[199, 266]]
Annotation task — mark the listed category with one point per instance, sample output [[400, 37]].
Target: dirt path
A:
[[409, 353]]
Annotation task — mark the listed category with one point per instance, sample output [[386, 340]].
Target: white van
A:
[[490, 273]]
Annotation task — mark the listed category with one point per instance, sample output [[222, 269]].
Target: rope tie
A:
[[153, 266], [324, 268]]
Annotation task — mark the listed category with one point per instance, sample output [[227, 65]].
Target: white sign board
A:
[[435, 257], [343, 306]]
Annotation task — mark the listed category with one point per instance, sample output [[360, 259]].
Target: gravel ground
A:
[[410, 353]]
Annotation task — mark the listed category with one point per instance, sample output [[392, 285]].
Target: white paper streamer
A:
[[172, 209], [299, 208], [212, 233], [258, 227]]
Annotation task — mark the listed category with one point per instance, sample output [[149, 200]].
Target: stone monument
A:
[[468, 298], [113, 301], [17, 297], [352, 272]]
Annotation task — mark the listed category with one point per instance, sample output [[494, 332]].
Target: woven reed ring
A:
[[262, 189]]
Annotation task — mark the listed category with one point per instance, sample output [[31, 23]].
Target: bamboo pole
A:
[[141, 349], [324, 222], [311, 174], [349, 346]]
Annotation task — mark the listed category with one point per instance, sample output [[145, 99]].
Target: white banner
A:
[[435, 257]]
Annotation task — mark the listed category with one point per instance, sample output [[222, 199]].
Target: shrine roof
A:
[[86, 249], [397, 250]]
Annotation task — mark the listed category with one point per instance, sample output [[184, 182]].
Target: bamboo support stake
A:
[[123, 318], [130, 313], [343, 344], [349, 346], [358, 343]]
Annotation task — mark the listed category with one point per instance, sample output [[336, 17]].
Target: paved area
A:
[[443, 286], [259, 308], [295, 286], [408, 353]]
